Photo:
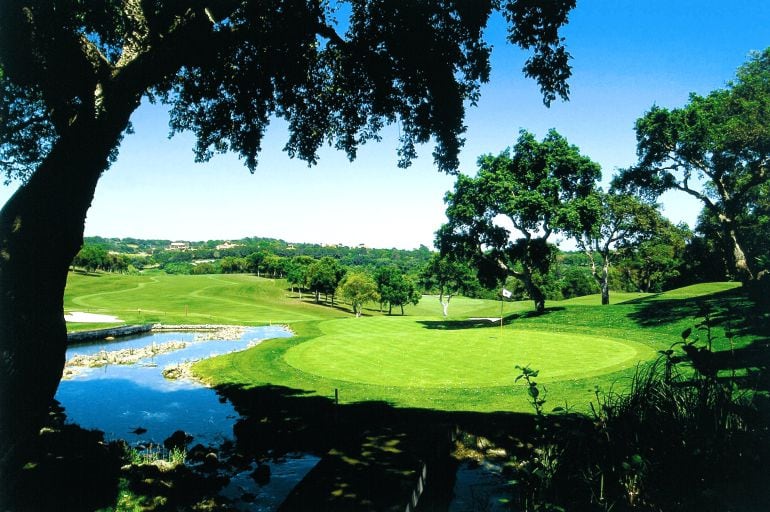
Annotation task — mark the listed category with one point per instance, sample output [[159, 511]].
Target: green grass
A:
[[402, 353], [421, 359], [173, 299]]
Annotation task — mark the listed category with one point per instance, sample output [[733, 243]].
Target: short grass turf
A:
[[423, 360], [238, 299], [403, 353], [418, 360]]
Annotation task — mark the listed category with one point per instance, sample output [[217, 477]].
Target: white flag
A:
[[507, 294]]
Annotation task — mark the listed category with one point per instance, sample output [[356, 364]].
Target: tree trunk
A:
[[41, 231], [601, 279], [402, 310], [444, 305], [742, 269], [390, 309], [604, 283], [535, 293]]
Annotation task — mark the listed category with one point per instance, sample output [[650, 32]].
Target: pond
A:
[[136, 403]]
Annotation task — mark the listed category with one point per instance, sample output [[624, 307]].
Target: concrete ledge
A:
[[112, 332]]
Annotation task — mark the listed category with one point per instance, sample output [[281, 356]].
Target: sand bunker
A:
[[79, 316]]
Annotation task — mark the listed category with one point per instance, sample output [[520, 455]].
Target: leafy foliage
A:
[[358, 289], [715, 149], [223, 70], [324, 275], [395, 288], [539, 187]]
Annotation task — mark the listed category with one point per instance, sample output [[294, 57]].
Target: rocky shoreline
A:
[[125, 356], [206, 332]]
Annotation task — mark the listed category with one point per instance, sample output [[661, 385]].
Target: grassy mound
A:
[[408, 353]]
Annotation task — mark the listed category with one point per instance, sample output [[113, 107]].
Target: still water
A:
[[136, 403], [118, 399]]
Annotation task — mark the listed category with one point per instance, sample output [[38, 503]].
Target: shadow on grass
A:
[[732, 313], [733, 306], [475, 323]]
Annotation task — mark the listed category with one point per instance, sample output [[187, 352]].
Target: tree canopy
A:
[[358, 289], [395, 289], [448, 276], [539, 187], [611, 224], [355, 66], [716, 149], [323, 276]]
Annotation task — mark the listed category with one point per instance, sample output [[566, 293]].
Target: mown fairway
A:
[[421, 359], [176, 299]]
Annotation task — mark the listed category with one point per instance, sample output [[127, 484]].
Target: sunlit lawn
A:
[[463, 362]]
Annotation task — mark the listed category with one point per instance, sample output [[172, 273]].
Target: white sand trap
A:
[[87, 318], [487, 319]]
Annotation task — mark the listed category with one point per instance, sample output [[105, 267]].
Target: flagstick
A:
[[501, 314]]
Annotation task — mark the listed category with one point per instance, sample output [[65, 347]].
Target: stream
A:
[[136, 403]]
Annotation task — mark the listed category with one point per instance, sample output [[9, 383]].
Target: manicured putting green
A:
[[393, 352]]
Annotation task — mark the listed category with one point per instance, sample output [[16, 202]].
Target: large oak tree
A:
[[72, 73], [540, 187], [716, 149]]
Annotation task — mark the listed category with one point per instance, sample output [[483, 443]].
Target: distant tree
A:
[[274, 265], [358, 289], [539, 187], [178, 267], [652, 262], [232, 265], [90, 258], [716, 149], [608, 222], [449, 276], [296, 272], [577, 282], [395, 288], [116, 263], [323, 276], [255, 261], [205, 268]]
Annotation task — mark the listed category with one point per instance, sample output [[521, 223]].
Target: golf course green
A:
[[381, 352]]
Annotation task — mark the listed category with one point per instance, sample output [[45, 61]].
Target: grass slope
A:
[[421, 359], [173, 299], [462, 364]]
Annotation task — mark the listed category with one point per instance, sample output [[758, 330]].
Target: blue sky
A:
[[627, 56]]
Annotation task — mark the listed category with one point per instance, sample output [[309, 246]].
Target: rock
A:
[[164, 466], [178, 439], [172, 373], [211, 459], [497, 453], [197, 453]]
